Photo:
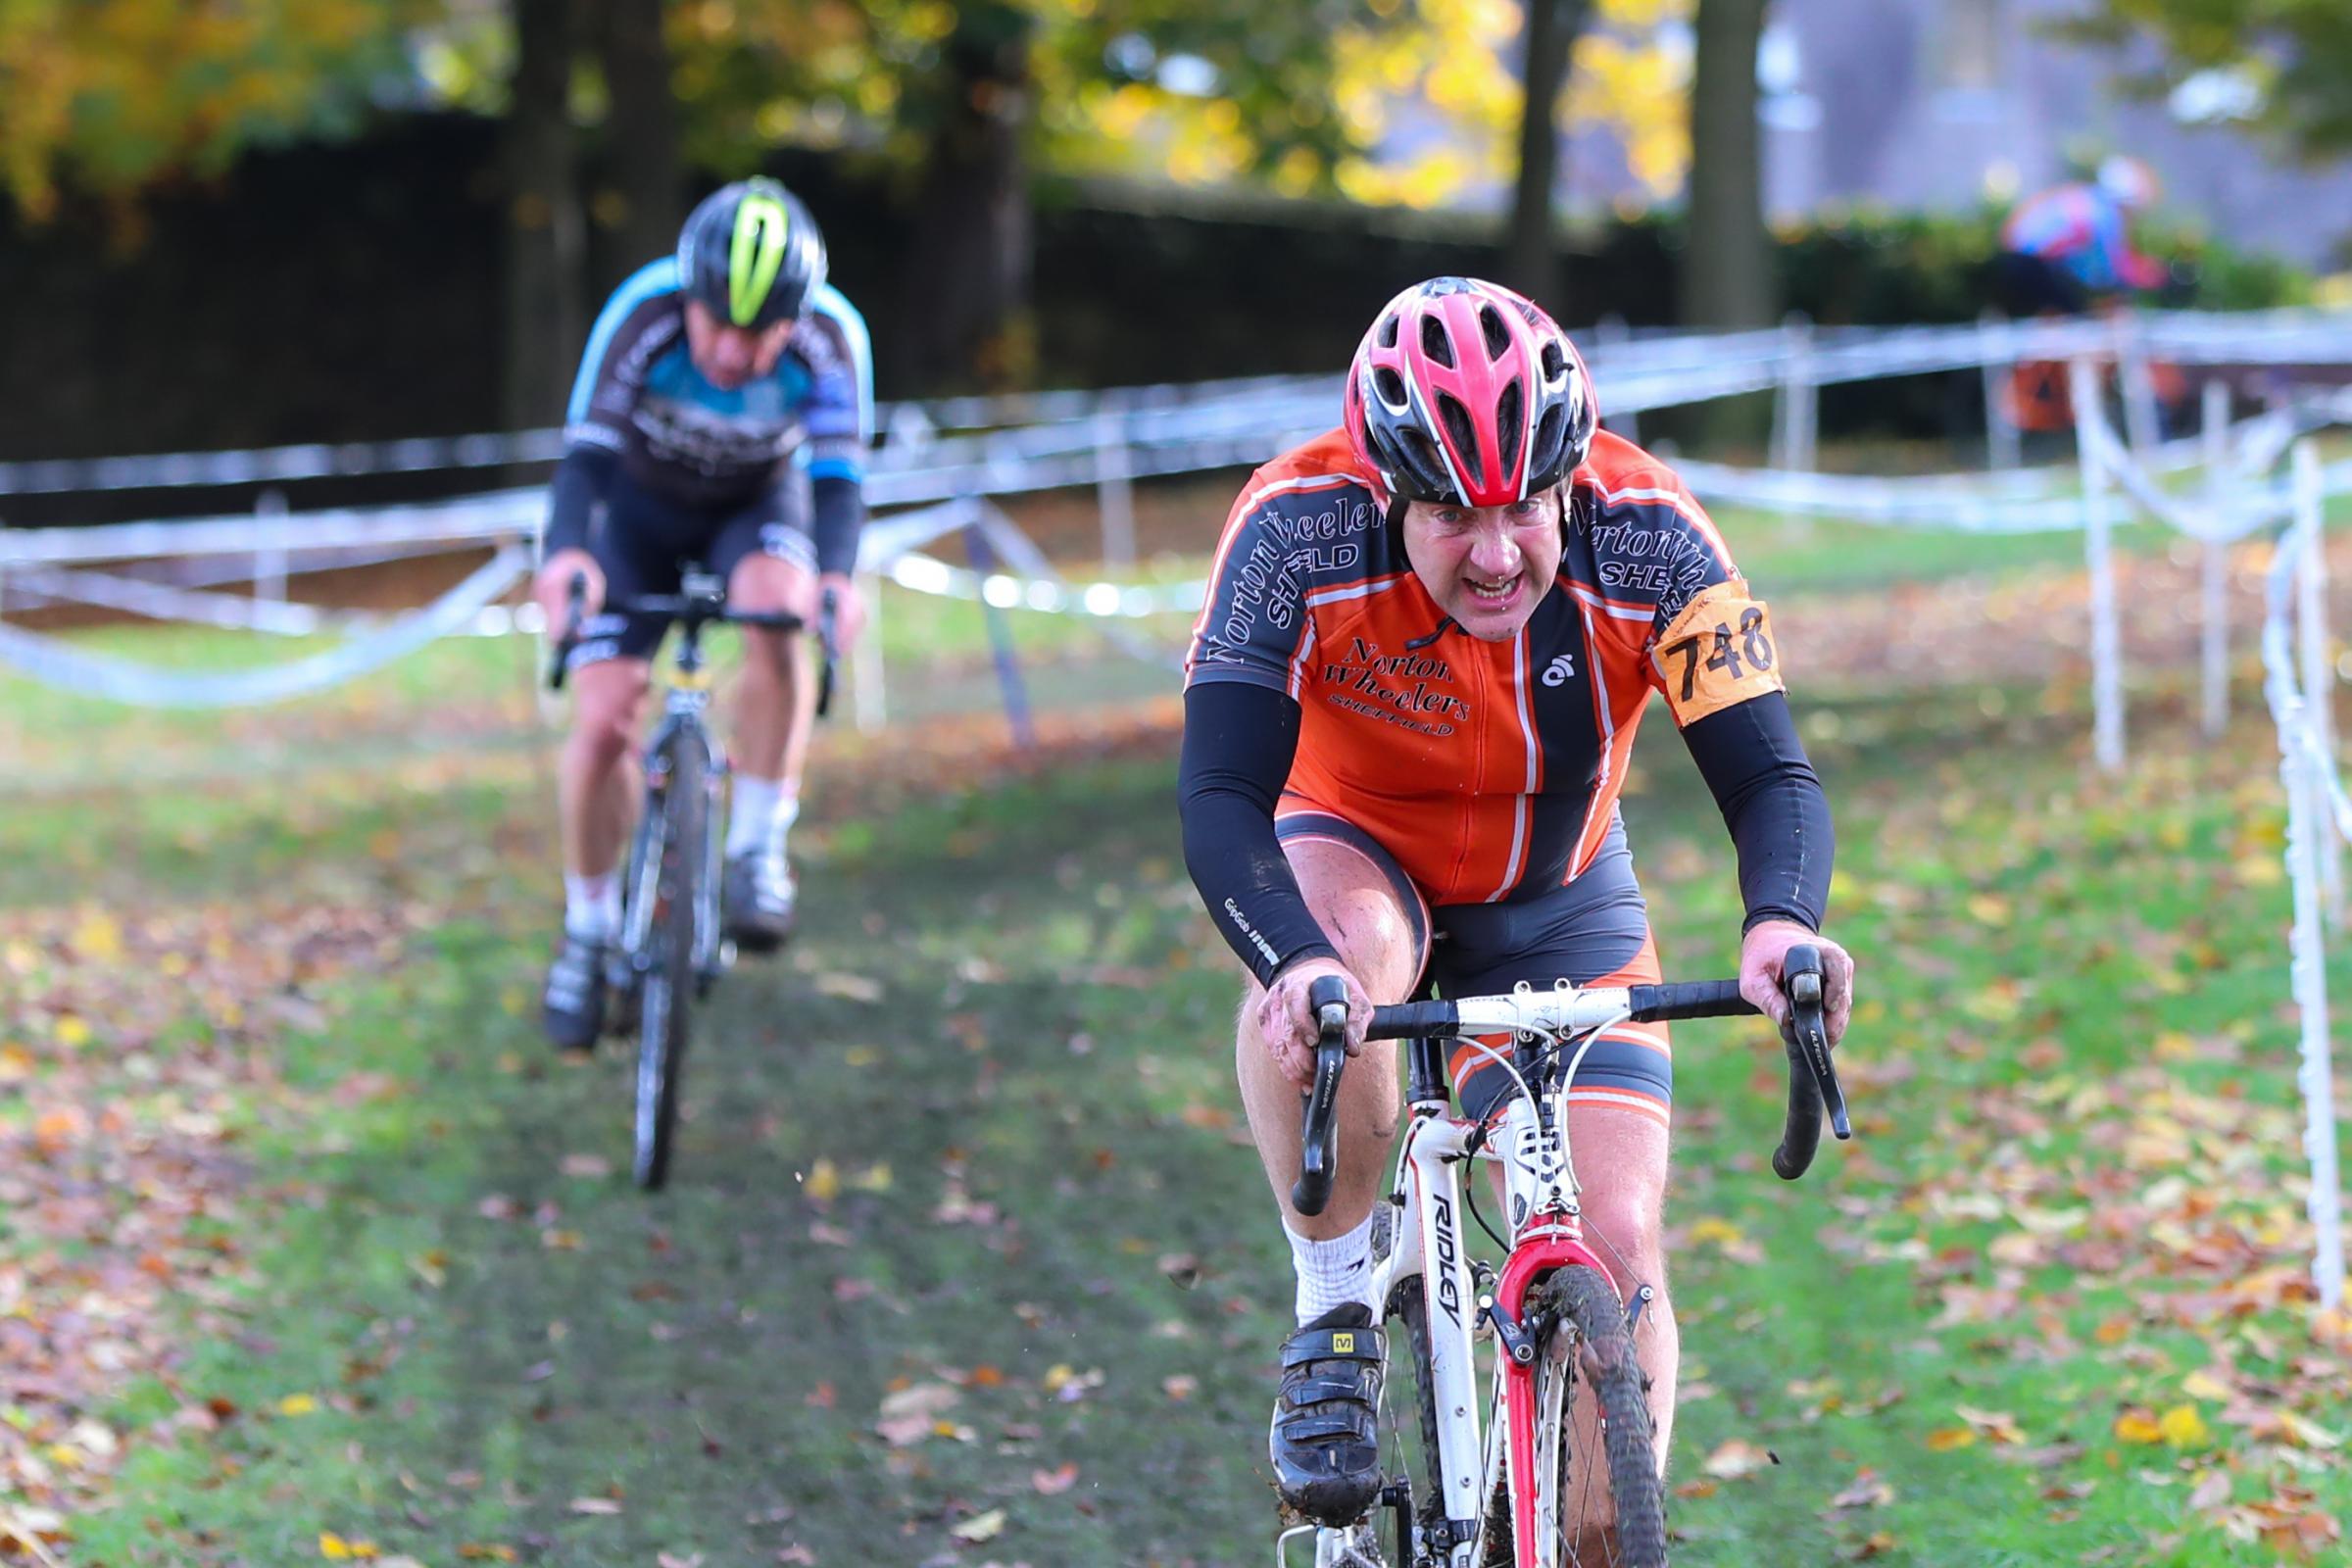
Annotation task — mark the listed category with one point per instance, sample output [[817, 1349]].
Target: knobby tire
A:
[[1599, 1353], [669, 977]]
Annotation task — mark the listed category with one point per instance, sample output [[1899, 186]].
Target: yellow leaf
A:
[[2306, 1433], [981, 1527], [98, 937], [873, 1179], [2114, 1331], [2184, 1428], [1721, 1232], [335, 1548], [2134, 1426], [297, 1405], [1945, 1439], [823, 1182], [862, 1056], [2203, 1385], [72, 1033], [1989, 909]]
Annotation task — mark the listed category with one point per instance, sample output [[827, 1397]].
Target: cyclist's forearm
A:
[[1238, 743], [838, 515], [580, 482], [1773, 805]]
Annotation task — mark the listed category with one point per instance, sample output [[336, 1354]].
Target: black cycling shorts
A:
[[643, 540], [1593, 930]]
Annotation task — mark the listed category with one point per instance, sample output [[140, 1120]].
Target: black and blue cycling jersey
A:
[[640, 404]]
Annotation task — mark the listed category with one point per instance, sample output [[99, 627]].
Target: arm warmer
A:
[[580, 482], [838, 508], [1773, 803], [1238, 743]]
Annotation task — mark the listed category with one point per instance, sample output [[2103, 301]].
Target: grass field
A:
[[313, 1251]]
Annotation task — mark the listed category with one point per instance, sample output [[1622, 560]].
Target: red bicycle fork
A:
[[1548, 1243]]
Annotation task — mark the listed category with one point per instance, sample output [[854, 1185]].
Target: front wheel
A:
[[669, 971], [1598, 1496]]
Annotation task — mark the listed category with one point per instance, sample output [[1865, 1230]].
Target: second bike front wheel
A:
[[1604, 1509], [669, 975]]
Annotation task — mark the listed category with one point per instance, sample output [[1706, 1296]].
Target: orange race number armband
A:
[[1718, 653]]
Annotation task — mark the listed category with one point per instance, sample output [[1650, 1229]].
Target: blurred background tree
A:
[[2283, 64], [117, 95]]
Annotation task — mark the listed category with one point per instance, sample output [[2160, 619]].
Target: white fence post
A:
[[2139, 386], [867, 701], [2106, 644], [270, 558], [1114, 489], [2216, 584], [2317, 654], [2003, 448]]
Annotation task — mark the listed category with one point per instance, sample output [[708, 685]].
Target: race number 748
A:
[[1718, 652]]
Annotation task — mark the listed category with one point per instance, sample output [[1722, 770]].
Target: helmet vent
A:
[[1546, 462], [1511, 417], [1462, 435], [1556, 360], [1498, 336], [1386, 337], [1423, 468], [1435, 343], [1389, 386]]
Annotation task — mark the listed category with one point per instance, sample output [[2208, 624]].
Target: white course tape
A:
[[55, 664]]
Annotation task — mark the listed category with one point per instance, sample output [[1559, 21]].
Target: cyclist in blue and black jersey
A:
[[723, 415]]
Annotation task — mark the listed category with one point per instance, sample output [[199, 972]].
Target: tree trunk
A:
[[1529, 264], [545, 236], [1727, 263], [965, 315], [642, 131]]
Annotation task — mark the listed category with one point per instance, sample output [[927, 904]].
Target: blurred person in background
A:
[[2067, 252], [2070, 247], [721, 415]]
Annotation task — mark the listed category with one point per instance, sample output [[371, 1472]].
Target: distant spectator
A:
[[2068, 248]]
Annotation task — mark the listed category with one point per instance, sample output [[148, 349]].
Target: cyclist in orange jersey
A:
[[1429, 639]]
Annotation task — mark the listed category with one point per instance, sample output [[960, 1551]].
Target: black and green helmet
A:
[[751, 254]]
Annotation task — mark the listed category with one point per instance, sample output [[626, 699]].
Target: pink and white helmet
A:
[[1464, 391]]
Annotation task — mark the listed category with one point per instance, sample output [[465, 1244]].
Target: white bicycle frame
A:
[[1546, 1234]]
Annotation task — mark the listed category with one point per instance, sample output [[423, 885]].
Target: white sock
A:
[[760, 816], [1332, 1273], [592, 905]]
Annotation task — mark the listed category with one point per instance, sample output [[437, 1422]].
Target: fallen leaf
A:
[[1993, 1426], [1867, 1491], [2184, 1428], [297, 1405], [1876, 1543], [334, 1548], [2137, 1426], [1945, 1439], [1182, 1386], [1052, 1483], [586, 1166], [823, 1182], [592, 1505], [1739, 1457], [981, 1527], [849, 987]]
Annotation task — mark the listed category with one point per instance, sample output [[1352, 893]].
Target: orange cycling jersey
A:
[[1489, 771]]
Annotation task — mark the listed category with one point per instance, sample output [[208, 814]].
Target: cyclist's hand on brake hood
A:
[[1761, 953], [552, 588], [1286, 1021]]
